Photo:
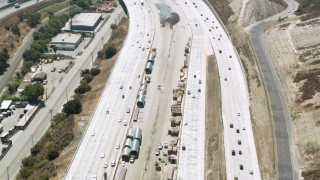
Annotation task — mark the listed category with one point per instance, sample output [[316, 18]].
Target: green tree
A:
[[110, 52], [33, 92], [83, 88], [15, 30], [52, 154], [95, 71], [34, 19], [31, 55], [72, 107], [87, 77], [35, 150]]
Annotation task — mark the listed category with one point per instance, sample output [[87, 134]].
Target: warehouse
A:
[[83, 22], [66, 41]]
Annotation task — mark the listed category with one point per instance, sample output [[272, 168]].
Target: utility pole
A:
[[66, 94], [51, 110], [92, 58], [8, 172]]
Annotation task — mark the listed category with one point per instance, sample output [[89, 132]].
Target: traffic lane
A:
[[276, 100], [12, 9]]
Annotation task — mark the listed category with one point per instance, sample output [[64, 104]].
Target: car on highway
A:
[[121, 86], [113, 163], [231, 125], [60, 71], [157, 153], [194, 96], [239, 142], [102, 155], [94, 177], [201, 14], [45, 82], [125, 123], [199, 90], [123, 163], [243, 128], [200, 81], [238, 131], [93, 133], [241, 167], [233, 152], [128, 110], [225, 79], [53, 69], [105, 164], [251, 171], [235, 178], [117, 146], [220, 51], [131, 160], [240, 152], [238, 114], [188, 92], [17, 5], [160, 146], [230, 56], [119, 120], [229, 68]]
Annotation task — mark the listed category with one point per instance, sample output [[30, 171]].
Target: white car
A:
[[105, 164], [128, 110], [132, 160], [123, 163], [102, 155], [117, 146], [125, 123], [113, 163], [93, 133], [251, 171], [119, 120]]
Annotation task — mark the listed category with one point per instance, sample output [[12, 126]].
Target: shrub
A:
[[87, 77], [52, 154], [113, 26], [110, 52], [72, 107], [95, 71], [35, 150], [83, 88]]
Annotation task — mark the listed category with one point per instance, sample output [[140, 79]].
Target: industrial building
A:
[[83, 22], [66, 41]]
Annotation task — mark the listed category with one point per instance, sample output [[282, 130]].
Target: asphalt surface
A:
[[8, 11], [10, 164], [209, 36], [279, 109], [109, 129]]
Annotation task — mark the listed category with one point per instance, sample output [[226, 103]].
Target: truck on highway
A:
[[142, 2]]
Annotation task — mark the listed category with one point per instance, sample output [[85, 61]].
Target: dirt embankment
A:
[[295, 50], [237, 16], [214, 128]]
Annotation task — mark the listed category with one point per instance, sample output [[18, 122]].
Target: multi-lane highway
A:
[[240, 151], [279, 109], [98, 145], [10, 10]]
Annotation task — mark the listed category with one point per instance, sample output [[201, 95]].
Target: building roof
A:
[[85, 19], [41, 75], [66, 38], [5, 104]]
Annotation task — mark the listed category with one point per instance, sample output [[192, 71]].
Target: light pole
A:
[[51, 110], [66, 94], [92, 58]]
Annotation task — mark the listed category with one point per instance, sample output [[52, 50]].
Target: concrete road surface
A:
[[8, 11], [279, 108], [210, 36], [98, 145]]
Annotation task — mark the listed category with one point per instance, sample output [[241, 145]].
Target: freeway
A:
[[6, 12], [277, 101], [106, 130], [238, 136], [22, 143]]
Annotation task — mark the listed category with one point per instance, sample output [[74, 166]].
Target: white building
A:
[[83, 22], [66, 41]]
